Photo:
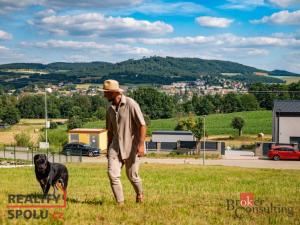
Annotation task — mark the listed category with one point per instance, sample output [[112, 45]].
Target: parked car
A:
[[283, 152], [75, 148]]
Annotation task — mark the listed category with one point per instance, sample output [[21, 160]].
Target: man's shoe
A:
[[140, 198], [120, 204]]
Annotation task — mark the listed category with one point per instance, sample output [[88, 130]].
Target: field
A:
[[216, 124], [175, 194], [29, 126], [217, 127], [288, 79]]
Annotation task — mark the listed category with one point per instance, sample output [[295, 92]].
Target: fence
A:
[[26, 153], [186, 147]]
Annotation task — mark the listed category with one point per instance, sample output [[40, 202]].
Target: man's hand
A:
[[140, 149]]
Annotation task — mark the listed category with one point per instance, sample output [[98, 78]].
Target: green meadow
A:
[[216, 124], [174, 194]]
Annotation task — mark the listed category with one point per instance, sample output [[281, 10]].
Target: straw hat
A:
[[112, 86]]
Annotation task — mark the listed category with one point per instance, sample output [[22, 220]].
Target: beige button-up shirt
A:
[[124, 123]]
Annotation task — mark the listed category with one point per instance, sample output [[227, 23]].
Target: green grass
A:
[[174, 194], [216, 124]]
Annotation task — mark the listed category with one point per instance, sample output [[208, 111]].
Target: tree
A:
[[74, 122], [155, 104], [76, 111], [295, 88], [10, 115], [187, 124], [203, 106], [100, 113], [53, 107], [238, 123], [181, 125], [147, 120], [198, 132], [231, 103], [249, 102], [32, 106]]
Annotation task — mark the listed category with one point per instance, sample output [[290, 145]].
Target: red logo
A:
[[247, 199], [58, 216]]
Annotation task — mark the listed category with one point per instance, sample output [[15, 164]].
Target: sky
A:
[[260, 33]]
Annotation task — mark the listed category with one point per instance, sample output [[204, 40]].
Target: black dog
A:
[[48, 174]]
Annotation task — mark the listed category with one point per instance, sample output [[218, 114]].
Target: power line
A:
[[271, 91]]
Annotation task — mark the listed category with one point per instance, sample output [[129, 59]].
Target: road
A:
[[244, 160], [248, 163]]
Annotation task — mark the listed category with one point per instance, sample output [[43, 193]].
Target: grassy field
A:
[[216, 124], [217, 127], [175, 194], [288, 79]]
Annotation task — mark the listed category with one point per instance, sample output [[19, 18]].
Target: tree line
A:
[[154, 104]]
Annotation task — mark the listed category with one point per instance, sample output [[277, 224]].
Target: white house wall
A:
[[171, 138], [288, 126]]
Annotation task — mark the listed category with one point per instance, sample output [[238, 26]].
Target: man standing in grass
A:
[[126, 135]]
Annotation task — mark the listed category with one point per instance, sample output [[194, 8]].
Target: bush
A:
[[53, 125], [100, 113], [74, 122], [23, 139], [56, 137]]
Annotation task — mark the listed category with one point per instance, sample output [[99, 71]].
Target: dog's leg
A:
[[54, 189], [42, 185], [46, 190]]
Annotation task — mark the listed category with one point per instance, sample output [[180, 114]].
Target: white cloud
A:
[[92, 3], [7, 6], [78, 45], [4, 35], [157, 7], [3, 49], [284, 3], [283, 18], [209, 21], [219, 40], [243, 4], [257, 52], [46, 12], [8, 55], [96, 24]]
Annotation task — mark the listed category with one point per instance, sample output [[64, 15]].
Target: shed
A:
[[94, 137]]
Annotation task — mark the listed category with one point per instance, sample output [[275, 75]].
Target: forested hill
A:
[[283, 73], [168, 66], [160, 70]]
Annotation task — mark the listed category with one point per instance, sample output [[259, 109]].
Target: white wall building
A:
[[172, 136], [286, 121]]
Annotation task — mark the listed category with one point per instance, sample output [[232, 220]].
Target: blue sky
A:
[[260, 33]]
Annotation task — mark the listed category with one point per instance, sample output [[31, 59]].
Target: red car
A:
[[283, 152]]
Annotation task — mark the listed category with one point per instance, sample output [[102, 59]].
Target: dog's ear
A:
[[36, 157]]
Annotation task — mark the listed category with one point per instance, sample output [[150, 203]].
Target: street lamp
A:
[[204, 139], [47, 125]]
